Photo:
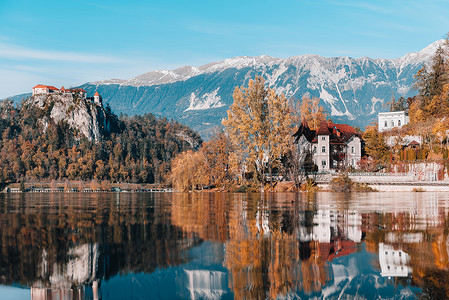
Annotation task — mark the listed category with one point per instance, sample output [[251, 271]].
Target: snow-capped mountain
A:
[[352, 90]]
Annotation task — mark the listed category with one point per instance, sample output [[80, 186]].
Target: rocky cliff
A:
[[85, 117]]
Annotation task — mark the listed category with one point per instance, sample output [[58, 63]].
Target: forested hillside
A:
[[33, 146]]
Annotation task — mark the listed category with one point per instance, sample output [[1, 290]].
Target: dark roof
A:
[[338, 133], [304, 130]]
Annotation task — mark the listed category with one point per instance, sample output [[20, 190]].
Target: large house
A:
[[389, 120], [332, 146]]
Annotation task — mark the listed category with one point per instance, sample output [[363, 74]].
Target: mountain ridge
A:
[[352, 90], [179, 74]]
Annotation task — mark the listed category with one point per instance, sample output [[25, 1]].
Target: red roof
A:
[[344, 128], [96, 94], [329, 251], [324, 129], [46, 86], [76, 90]]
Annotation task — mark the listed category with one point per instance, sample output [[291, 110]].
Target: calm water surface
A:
[[224, 246]]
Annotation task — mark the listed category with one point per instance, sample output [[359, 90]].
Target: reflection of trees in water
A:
[[43, 239], [273, 244], [263, 249], [424, 237]]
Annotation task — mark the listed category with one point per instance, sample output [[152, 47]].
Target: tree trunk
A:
[[271, 176]]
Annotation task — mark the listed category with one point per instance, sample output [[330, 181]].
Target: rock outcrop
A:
[[85, 117]]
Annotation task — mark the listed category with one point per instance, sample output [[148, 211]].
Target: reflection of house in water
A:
[[329, 224], [80, 270], [393, 263]]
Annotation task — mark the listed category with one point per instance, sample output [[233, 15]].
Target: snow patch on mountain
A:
[[330, 100], [350, 88], [375, 100], [279, 67], [206, 101]]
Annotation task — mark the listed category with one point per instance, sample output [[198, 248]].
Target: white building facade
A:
[[391, 119]]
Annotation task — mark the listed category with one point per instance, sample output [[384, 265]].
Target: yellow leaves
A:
[[416, 114], [259, 123], [311, 112], [441, 128], [188, 171]]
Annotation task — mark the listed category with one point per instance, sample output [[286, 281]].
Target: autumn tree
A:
[[312, 112], [430, 81], [217, 153], [375, 145], [259, 123], [188, 171], [399, 104]]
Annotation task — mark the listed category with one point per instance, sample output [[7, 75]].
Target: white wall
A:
[[354, 157], [320, 156], [389, 120], [37, 91]]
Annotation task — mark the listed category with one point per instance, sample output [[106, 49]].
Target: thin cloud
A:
[[14, 52], [363, 5]]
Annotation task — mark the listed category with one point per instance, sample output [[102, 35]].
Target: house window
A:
[[392, 123], [314, 149], [323, 138], [352, 149], [323, 163], [323, 149], [352, 162], [386, 124], [399, 123]]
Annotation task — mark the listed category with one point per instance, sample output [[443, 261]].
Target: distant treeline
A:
[[135, 149]]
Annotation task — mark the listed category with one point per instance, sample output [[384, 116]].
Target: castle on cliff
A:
[[48, 89]]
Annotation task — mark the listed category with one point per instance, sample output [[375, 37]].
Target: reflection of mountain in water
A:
[[219, 246]]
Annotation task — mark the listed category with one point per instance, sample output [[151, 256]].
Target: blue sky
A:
[[72, 42]]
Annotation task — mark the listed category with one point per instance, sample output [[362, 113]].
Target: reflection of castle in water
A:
[[80, 270], [205, 284], [66, 252]]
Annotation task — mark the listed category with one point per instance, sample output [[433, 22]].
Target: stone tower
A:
[[97, 99]]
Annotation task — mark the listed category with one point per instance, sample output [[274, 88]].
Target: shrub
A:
[[341, 183], [246, 188], [363, 187], [309, 185]]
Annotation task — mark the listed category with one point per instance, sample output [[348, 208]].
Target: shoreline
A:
[[279, 187]]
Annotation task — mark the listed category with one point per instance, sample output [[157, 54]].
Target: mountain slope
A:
[[351, 90]]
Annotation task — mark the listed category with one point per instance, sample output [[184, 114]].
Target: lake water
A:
[[224, 246]]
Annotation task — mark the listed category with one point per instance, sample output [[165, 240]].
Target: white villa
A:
[[391, 119], [333, 146]]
